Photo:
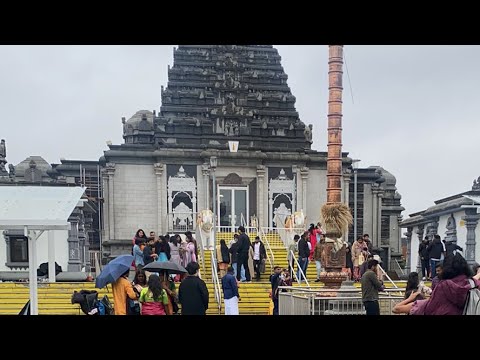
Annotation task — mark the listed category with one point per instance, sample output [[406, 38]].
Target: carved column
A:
[[106, 202], [206, 187], [420, 231], [88, 232], [347, 175], [261, 170], [161, 228], [304, 175], [74, 263], [374, 215], [110, 171], [81, 238], [379, 217], [408, 259], [471, 220]]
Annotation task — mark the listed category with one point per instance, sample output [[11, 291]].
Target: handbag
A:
[[361, 259]]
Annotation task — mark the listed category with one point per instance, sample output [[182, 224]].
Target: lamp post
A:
[[355, 168], [213, 166]]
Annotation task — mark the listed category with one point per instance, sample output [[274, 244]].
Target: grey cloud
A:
[[415, 107]]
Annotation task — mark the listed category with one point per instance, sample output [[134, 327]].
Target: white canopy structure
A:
[[35, 209]]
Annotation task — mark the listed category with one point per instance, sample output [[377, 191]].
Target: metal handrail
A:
[[399, 267], [301, 271], [386, 275], [198, 235], [271, 258], [216, 282]]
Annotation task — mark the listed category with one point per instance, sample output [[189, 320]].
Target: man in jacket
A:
[[259, 255], [230, 292], [193, 292], [242, 254], [436, 250], [370, 288], [303, 254]]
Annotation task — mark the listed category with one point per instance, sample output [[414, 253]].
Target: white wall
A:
[[61, 250], [135, 200], [316, 194], [415, 243]]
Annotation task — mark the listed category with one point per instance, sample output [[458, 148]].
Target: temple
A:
[[231, 103]]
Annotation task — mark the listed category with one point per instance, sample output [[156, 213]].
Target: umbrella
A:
[[113, 270], [171, 267]]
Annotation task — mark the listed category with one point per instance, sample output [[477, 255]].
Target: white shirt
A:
[[256, 255]]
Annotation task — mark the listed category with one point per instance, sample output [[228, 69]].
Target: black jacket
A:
[[233, 252], [263, 252], [303, 250], [243, 244], [193, 295], [450, 247], [435, 250]]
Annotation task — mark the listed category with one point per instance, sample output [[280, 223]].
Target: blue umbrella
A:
[[113, 270]]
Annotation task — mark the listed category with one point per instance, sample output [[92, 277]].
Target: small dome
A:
[[390, 180], [142, 120], [33, 162]]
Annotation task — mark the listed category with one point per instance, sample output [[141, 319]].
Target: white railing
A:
[[302, 301], [302, 274], [201, 245], [270, 257], [216, 282], [181, 221], [95, 260], [285, 234]]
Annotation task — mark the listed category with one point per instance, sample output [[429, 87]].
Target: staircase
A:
[[55, 298]]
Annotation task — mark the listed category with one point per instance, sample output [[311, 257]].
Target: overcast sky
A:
[[414, 111]]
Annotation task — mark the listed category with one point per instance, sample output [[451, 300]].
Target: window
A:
[[18, 249]]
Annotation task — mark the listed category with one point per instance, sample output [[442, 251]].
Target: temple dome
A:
[[142, 120], [40, 164]]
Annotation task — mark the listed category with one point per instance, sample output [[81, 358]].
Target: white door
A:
[[232, 207]]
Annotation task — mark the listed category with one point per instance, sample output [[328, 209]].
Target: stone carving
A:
[[2, 168], [124, 122], [33, 174], [182, 215], [232, 179], [11, 169], [308, 133], [451, 233], [476, 184], [3, 149], [231, 128]]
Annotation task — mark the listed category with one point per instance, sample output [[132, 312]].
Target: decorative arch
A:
[[182, 213], [281, 185]]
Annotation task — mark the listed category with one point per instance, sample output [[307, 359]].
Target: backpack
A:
[[105, 306], [87, 299], [472, 305]]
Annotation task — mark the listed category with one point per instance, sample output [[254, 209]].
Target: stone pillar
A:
[[304, 174], [206, 188], [374, 234], [471, 220], [408, 259], [261, 170], [81, 239], [379, 218], [106, 201], [74, 263], [110, 171], [88, 232], [347, 176], [420, 231], [161, 221]]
